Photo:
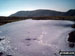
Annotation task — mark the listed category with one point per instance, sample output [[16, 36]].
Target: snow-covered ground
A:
[[35, 37]]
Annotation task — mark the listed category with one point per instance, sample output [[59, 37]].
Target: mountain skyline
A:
[[8, 7]]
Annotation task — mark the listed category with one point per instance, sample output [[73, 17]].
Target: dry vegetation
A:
[[55, 18], [4, 20]]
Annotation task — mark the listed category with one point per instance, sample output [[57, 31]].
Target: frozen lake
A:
[[35, 37]]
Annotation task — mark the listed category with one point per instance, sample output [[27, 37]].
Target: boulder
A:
[[71, 37]]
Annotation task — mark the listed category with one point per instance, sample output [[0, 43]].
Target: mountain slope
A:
[[43, 12], [70, 13], [37, 13]]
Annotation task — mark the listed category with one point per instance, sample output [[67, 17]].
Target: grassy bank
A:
[[4, 20]]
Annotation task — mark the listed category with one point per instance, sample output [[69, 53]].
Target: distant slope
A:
[[37, 13], [70, 13], [43, 12]]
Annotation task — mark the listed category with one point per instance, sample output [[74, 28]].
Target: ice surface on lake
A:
[[35, 37]]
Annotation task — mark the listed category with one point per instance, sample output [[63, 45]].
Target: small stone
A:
[[28, 39], [8, 55], [34, 39], [73, 26], [1, 53], [1, 39]]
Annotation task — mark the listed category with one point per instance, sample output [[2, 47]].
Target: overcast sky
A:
[[8, 7]]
